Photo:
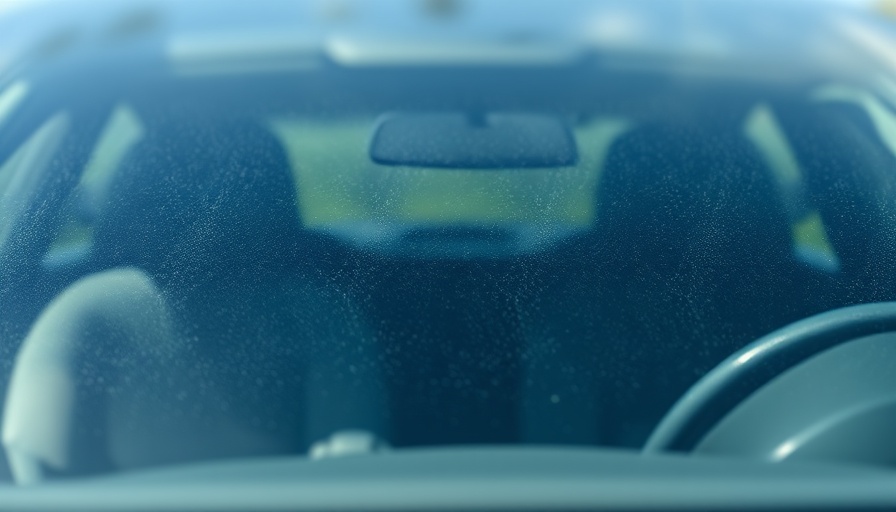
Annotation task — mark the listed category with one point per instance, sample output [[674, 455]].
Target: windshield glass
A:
[[227, 256]]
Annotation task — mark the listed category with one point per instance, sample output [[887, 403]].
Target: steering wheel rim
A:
[[747, 370]]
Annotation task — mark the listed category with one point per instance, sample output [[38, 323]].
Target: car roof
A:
[[781, 37]]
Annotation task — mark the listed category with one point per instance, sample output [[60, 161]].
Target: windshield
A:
[[224, 258]]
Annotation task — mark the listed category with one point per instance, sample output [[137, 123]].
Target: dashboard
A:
[[474, 478]]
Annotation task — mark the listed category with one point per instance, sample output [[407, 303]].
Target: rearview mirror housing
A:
[[462, 141]]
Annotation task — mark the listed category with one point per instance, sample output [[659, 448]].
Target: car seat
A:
[[691, 257], [214, 328]]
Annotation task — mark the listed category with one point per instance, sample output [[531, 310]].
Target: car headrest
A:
[[190, 194], [670, 193]]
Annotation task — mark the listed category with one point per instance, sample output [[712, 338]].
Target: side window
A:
[[10, 99], [20, 174], [75, 236], [810, 240], [880, 113]]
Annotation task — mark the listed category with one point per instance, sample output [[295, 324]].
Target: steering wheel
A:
[[742, 375]]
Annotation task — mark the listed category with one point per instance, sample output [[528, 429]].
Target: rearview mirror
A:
[[454, 140]]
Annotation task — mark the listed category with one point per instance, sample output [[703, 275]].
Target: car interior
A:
[[203, 318]]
